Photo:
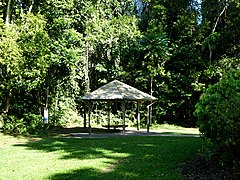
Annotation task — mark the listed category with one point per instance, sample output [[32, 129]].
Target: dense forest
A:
[[54, 51]]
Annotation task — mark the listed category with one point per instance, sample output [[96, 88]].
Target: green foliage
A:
[[24, 68], [218, 115], [29, 124], [64, 113], [52, 52]]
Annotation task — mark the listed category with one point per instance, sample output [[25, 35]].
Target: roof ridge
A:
[[117, 90], [117, 87]]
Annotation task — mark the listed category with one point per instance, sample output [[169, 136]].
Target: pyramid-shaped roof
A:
[[117, 90]]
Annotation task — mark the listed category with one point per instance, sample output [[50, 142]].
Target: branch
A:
[[224, 9], [30, 8], [214, 29]]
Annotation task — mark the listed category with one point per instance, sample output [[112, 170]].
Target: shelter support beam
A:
[[85, 117], [89, 118], [124, 114], [138, 115], [148, 118], [109, 114], [149, 115]]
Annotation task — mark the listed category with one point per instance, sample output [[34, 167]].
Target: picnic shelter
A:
[[117, 91]]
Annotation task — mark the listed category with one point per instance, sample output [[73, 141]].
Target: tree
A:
[[218, 116], [178, 22], [108, 32], [25, 68], [9, 64], [54, 51]]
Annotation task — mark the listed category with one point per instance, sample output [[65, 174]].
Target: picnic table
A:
[[114, 126]]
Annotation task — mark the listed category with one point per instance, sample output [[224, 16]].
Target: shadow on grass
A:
[[62, 130], [90, 173], [125, 157], [103, 132]]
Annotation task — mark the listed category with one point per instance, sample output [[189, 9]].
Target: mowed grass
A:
[[168, 128], [123, 157]]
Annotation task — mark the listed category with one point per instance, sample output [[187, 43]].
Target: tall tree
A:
[[26, 68]]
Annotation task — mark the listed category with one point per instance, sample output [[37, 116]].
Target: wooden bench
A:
[[114, 126]]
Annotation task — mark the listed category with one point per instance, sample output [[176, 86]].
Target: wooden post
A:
[[149, 115], [109, 114], [138, 116], [148, 120], [123, 111], [89, 118], [85, 117]]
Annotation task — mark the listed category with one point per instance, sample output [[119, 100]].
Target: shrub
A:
[[13, 125], [218, 113], [64, 113], [29, 124], [34, 123]]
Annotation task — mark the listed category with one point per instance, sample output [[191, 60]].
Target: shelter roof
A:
[[117, 90]]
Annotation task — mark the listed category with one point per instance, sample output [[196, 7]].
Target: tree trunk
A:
[[8, 101], [210, 52], [86, 71], [150, 108], [8, 13]]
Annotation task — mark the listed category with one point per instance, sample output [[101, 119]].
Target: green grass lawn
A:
[[122, 157], [168, 128]]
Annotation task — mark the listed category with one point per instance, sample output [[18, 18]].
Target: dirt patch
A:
[[112, 166]]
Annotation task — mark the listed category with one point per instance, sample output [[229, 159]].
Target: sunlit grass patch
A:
[[174, 129]]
